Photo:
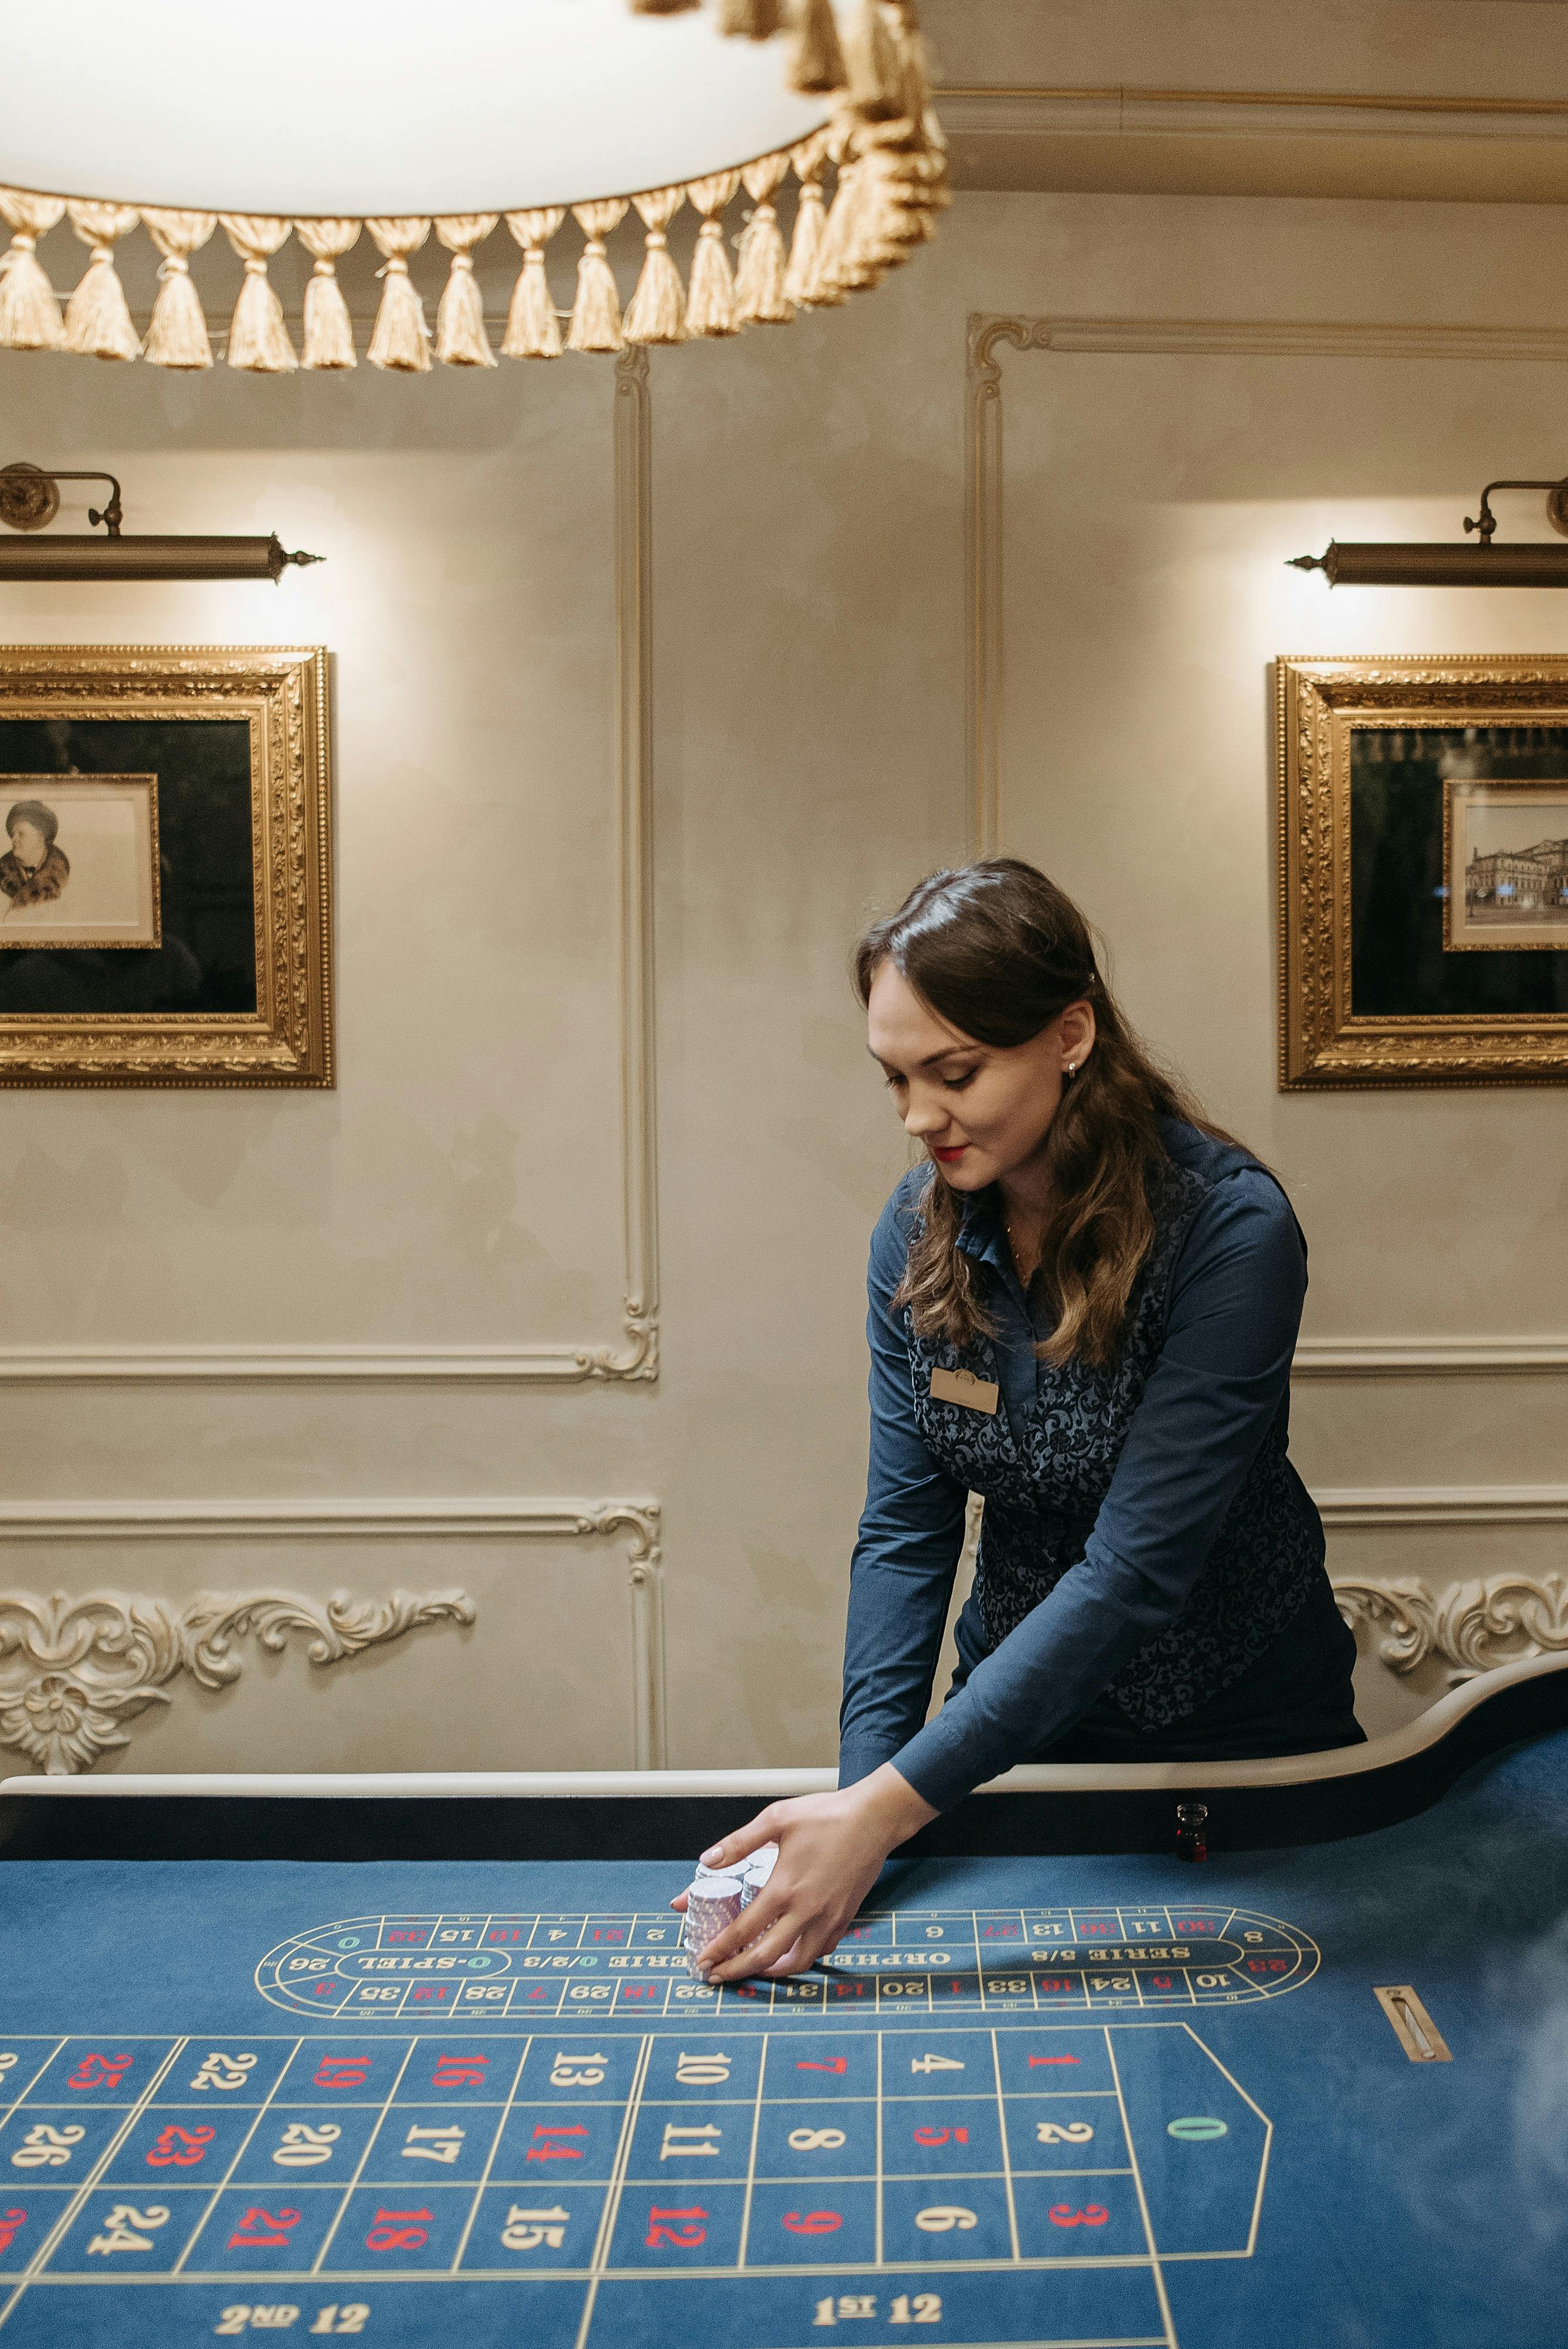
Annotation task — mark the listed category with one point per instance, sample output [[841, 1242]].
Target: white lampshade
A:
[[360, 107]]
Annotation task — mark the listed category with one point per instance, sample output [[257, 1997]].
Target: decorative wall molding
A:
[[316, 1364], [72, 1671], [1472, 1627], [1380, 1508], [231, 1520], [968, 106], [634, 801], [635, 1355], [990, 334], [1261, 142], [1430, 1358]]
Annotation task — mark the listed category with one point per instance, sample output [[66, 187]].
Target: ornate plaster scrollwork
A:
[[72, 1671], [1472, 1627]]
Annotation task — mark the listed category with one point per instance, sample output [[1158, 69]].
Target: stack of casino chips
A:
[[716, 1898]]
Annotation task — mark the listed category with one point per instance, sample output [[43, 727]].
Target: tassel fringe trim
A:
[[884, 151]]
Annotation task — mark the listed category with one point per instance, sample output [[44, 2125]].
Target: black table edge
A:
[[93, 1825]]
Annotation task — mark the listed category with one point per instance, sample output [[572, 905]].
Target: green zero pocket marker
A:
[[1195, 2128]]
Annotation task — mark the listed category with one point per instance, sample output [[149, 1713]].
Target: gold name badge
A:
[[963, 1387]]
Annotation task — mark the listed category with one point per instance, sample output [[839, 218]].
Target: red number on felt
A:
[[342, 2072], [548, 2152], [399, 2230], [9, 2222], [169, 2145], [99, 2072], [926, 2136], [834, 2064], [458, 2072], [1053, 2059], [263, 2230], [1064, 2215], [812, 2222], [684, 2236]]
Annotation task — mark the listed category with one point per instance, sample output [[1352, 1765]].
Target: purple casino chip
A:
[[755, 1871], [712, 1903]]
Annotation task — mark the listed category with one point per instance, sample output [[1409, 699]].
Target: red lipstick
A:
[[947, 1157]]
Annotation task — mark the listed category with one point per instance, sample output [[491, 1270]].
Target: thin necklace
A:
[[1018, 1253]]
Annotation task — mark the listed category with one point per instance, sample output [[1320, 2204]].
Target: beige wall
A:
[[462, 1186]]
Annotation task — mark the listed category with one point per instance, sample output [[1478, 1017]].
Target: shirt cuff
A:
[[938, 1766]]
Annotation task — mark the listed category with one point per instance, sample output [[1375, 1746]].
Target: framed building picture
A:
[[1423, 871], [165, 870]]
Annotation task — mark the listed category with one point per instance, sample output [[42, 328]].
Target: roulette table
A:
[[420, 2061]]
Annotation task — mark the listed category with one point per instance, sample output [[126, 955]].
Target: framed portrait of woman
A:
[[1423, 871], [165, 871]]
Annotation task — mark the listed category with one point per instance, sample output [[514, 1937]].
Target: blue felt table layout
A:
[[1099, 2103]]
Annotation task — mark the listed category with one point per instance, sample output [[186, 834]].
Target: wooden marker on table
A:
[[1417, 2034]]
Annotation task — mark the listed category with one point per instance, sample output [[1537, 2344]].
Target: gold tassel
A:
[[532, 328], [400, 339], [842, 265], [901, 195], [461, 336], [596, 313], [29, 315], [810, 161], [805, 284], [749, 20], [663, 7], [760, 299], [177, 334], [710, 307], [817, 62], [97, 317], [328, 328], [259, 337], [875, 67], [657, 313]]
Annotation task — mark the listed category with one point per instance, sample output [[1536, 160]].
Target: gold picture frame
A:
[[1380, 985], [234, 986]]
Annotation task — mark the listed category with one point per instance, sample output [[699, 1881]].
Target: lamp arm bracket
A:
[[29, 499], [1556, 506]]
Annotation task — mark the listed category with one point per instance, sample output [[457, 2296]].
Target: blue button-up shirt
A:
[[1220, 1385]]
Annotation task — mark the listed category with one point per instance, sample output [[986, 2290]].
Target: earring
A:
[[1071, 1069]]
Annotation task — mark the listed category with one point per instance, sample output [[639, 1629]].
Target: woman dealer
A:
[[1083, 1306]]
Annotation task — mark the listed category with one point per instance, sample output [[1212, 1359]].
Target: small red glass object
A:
[[1191, 1834]]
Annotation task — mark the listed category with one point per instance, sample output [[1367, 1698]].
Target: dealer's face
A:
[[29, 843], [981, 1110]]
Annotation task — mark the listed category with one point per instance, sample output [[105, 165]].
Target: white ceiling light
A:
[[337, 115]]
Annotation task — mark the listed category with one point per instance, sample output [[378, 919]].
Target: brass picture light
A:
[[30, 499], [1419, 562]]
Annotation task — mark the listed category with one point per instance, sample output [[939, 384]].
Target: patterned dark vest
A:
[[1042, 1497]]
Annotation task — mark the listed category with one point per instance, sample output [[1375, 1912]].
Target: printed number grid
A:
[[620, 2156], [488, 1968]]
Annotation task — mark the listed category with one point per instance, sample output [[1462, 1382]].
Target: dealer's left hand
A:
[[831, 1851]]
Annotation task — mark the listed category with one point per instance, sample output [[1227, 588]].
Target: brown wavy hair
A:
[[999, 951]]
